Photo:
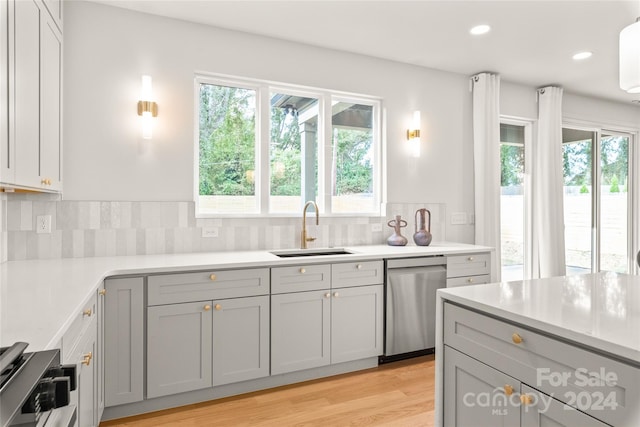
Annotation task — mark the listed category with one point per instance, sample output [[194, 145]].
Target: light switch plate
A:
[[458, 218], [375, 228], [209, 231]]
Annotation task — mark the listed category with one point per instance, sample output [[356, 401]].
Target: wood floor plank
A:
[[398, 394]]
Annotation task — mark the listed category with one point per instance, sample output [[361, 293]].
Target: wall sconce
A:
[[146, 107], [630, 58], [413, 135]]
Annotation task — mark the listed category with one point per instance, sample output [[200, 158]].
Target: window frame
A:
[[527, 185], [263, 89], [633, 192]]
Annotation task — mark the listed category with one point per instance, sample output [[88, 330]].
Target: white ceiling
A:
[[531, 42]]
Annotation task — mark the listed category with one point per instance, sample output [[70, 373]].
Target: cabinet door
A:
[[99, 356], [240, 339], [356, 323], [179, 356], [50, 97], [87, 379], [6, 151], [300, 331], [541, 410], [477, 395], [26, 80], [123, 340]]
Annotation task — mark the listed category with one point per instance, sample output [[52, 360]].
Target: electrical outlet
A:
[[43, 224], [375, 228], [458, 218], [209, 231]]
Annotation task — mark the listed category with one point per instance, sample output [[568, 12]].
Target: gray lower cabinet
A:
[[300, 330], [477, 395], [357, 323], [99, 355], [87, 381], [240, 339], [543, 411], [179, 348], [123, 340], [317, 328]]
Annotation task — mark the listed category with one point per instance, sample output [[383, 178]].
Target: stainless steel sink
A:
[[310, 252]]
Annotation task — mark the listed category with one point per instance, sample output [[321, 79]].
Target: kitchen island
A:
[[565, 349]]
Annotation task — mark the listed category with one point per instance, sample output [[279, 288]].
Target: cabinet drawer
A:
[[207, 285], [80, 323], [468, 265], [357, 274], [562, 370], [469, 280], [300, 278]]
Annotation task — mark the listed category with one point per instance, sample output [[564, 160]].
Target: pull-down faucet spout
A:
[[303, 235]]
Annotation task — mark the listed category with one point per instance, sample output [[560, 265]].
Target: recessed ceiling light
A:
[[582, 55], [480, 29]]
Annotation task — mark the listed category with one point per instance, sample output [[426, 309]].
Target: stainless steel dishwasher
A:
[[410, 305]]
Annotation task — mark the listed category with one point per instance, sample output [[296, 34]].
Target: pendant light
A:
[[630, 58]]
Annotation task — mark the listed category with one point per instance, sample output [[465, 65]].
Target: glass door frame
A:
[[633, 193]]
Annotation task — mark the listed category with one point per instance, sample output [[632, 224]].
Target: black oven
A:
[[35, 388]]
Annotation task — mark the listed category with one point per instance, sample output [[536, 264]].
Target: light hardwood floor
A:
[[395, 394]]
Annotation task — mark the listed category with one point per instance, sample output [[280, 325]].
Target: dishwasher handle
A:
[[416, 262]]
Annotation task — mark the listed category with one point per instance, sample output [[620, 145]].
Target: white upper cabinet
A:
[[30, 145]]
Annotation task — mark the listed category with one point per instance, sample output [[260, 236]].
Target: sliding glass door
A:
[[596, 200]]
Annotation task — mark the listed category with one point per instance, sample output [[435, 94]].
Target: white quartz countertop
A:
[[40, 298], [600, 310]]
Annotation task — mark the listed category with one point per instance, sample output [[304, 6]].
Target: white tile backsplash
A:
[[106, 228]]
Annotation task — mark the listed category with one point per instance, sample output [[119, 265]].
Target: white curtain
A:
[[547, 204], [486, 162]]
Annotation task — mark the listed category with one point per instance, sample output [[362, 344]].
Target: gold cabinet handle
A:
[[508, 390], [359, 266], [526, 399], [212, 277], [88, 312], [102, 292], [516, 338], [302, 271], [470, 258], [218, 307], [207, 307], [336, 295], [470, 280], [43, 182], [87, 359], [327, 295], [48, 181]]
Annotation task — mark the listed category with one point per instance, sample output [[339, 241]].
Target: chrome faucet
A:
[[303, 235]]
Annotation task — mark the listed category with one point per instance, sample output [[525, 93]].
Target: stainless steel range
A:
[[35, 388]]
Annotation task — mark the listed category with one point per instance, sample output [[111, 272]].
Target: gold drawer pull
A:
[[102, 292], [335, 294], [87, 312], [508, 390], [327, 295], [207, 307], [218, 307], [470, 280], [302, 271], [359, 266], [212, 277], [87, 359], [516, 338], [470, 258], [526, 399]]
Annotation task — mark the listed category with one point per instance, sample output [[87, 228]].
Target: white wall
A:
[[107, 50]]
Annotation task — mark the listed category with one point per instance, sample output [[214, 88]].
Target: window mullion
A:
[[595, 200], [325, 158], [263, 162]]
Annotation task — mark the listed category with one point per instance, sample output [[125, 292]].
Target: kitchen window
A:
[[265, 149], [515, 159]]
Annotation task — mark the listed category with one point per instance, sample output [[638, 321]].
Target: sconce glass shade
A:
[[146, 107], [413, 135], [630, 58]]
